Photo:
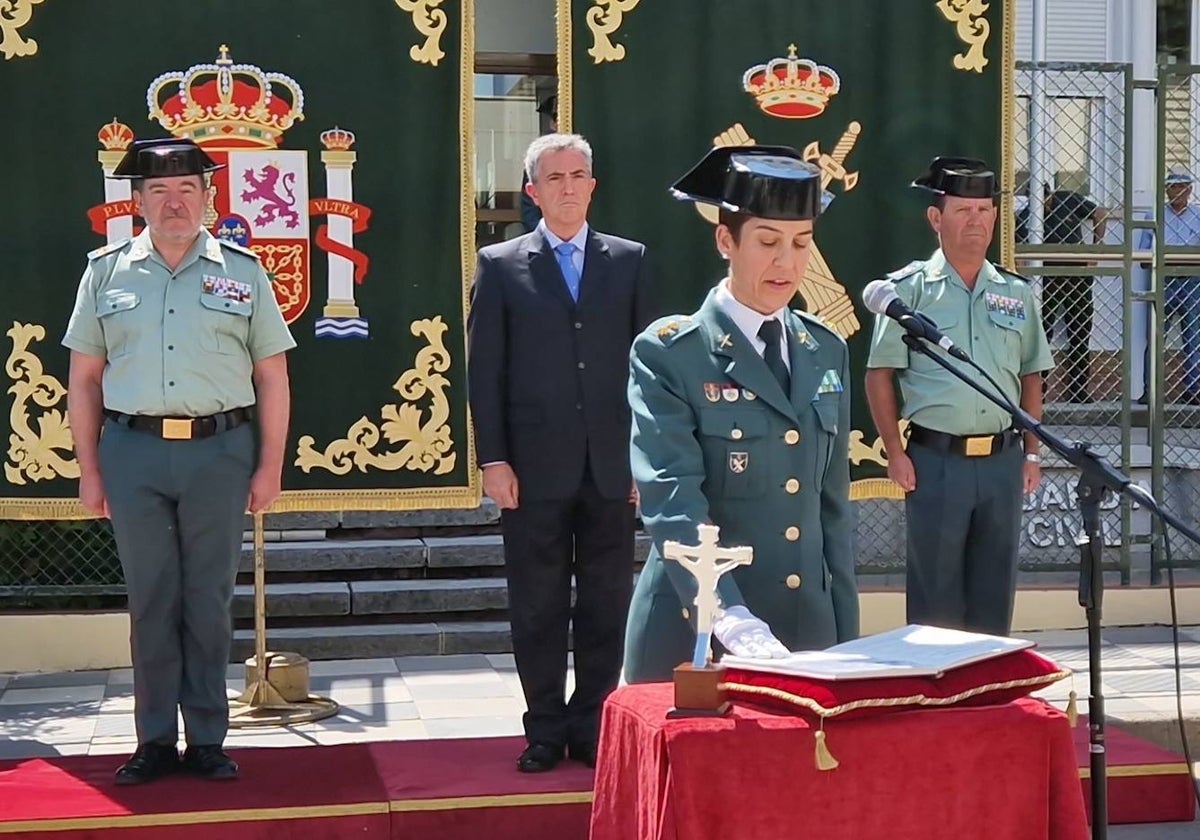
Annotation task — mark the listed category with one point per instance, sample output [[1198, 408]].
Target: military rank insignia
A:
[[1013, 307], [224, 287], [831, 383]]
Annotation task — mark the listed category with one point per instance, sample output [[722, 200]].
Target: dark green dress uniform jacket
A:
[[715, 439]]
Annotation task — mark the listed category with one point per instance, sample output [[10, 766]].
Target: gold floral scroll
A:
[[13, 15], [875, 453], [604, 19], [430, 21], [423, 434], [47, 451], [972, 29]]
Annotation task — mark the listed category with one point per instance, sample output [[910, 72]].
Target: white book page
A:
[[915, 650]]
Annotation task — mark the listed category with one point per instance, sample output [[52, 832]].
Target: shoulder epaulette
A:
[[908, 271], [1008, 272], [241, 249], [109, 248], [818, 322], [670, 328]]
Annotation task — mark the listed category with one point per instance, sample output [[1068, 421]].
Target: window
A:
[[511, 95]]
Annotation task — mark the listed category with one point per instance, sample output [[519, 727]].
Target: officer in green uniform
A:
[[965, 469], [177, 344], [741, 418]]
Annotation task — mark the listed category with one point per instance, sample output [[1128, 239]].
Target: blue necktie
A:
[[565, 253]]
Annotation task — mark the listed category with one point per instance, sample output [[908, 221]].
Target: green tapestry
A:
[[344, 129], [869, 90]]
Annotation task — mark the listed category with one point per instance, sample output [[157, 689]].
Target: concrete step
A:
[[465, 552], [397, 597], [294, 600], [381, 640], [336, 555]]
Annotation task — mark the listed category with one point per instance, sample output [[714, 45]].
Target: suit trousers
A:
[[177, 511], [546, 542], [964, 525]]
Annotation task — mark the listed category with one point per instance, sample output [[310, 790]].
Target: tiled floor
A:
[[480, 696]]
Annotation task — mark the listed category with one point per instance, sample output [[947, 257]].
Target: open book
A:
[[912, 651]]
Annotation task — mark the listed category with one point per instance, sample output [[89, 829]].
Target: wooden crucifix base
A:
[[698, 692]]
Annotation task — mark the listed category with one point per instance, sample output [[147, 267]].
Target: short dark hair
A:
[[733, 220], [938, 201]]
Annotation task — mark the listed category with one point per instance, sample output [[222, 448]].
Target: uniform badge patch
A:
[[224, 287], [831, 383], [738, 461], [1013, 307], [730, 393], [712, 391], [724, 341]]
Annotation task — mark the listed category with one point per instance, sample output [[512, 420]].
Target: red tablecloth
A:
[[1002, 772]]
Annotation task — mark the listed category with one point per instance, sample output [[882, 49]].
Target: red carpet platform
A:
[[409, 789], [1146, 783]]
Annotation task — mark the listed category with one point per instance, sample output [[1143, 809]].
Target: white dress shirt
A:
[[749, 321]]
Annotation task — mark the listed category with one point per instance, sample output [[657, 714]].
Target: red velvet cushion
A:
[[997, 680]]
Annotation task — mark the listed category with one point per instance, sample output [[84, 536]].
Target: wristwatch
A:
[[1033, 457]]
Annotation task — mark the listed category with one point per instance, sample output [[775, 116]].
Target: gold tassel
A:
[[1072, 710], [825, 759]]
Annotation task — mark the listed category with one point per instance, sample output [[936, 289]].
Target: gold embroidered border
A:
[[565, 32], [14, 15], [882, 703], [511, 800], [430, 21], [1008, 105], [194, 818], [972, 27]]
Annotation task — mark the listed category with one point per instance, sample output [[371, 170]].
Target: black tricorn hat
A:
[[958, 176], [165, 157], [770, 182]]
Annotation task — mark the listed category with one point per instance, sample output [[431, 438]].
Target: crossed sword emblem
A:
[[825, 296]]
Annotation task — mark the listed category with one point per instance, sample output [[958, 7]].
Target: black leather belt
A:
[[971, 446], [184, 428]]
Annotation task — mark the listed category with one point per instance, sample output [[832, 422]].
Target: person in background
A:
[[530, 213]]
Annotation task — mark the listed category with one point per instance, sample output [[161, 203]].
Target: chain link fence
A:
[[59, 565], [1072, 225]]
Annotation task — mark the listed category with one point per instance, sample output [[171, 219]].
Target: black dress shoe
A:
[[149, 762], [209, 762], [539, 757], [584, 752]]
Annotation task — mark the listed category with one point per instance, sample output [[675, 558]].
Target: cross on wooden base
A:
[[707, 562]]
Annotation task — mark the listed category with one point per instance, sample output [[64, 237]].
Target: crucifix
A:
[[706, 562]]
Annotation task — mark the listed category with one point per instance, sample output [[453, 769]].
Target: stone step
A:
[[380, 640], [294, 600], [398, 597], [335, 555]]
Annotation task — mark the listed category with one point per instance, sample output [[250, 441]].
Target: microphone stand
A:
[[1097, 480]]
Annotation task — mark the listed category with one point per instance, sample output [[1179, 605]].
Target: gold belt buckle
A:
[[174, 428], [978, 447]]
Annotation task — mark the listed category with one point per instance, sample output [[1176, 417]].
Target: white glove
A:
[[743, 634]]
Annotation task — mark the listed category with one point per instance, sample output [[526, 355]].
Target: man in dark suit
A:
[[553, 315]]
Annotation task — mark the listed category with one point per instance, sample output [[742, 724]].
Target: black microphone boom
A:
[[880, 297]]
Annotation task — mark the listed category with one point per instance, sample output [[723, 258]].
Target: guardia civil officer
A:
[[741, 418], [965, 468], [177, 347]]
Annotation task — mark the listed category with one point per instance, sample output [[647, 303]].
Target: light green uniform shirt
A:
[[999, 324], [182, 342]]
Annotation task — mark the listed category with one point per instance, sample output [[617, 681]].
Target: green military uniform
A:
[[179, 344], [715, 439], [964, 517]]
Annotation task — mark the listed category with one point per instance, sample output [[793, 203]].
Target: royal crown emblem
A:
[[226, 104], [792, 88]]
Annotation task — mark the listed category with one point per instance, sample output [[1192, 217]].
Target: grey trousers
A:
[[964, 523], [177, 511]]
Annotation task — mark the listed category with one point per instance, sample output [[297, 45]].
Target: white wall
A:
[[516, 26]]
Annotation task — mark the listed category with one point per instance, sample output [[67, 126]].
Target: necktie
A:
[[771, 332], [566, 262]]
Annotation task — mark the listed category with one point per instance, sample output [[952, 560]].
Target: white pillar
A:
[[1039, 118], [1141, 49], [115, 137], [339, 166]]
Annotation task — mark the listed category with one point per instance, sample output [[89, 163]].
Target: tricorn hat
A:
[[958, 176], [164, 157], [770, 182]]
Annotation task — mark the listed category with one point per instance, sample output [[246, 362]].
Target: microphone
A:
[[880, 297]]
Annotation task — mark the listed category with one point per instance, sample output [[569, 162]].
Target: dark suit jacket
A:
[[548, 376]]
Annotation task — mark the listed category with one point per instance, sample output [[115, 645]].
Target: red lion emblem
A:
[[266, 187]]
